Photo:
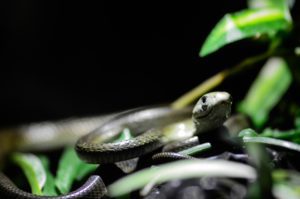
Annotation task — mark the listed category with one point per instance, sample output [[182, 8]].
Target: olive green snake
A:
[[95, 137]]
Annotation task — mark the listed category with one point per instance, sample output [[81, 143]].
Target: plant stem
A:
[[217, 79]]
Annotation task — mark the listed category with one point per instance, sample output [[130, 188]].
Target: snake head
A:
[[212, 110]]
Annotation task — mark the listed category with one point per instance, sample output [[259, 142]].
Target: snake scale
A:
[[97, 146]]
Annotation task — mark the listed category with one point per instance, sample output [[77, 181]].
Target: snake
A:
[[45, 136], [210, 112], [98, 145]]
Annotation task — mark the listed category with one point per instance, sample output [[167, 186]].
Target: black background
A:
[[63, 59]]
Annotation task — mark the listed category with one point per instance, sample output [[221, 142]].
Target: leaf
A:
[[263, 3], [278, 134], [49, 187], [33, 169], [245, 24], [287, 184], [282, 4], [273, 142], [182, 169], [124, 135], [196, 149], [67, 170], [247, 132], [70, 168], [85, 169], [262, 186], [268, 88]]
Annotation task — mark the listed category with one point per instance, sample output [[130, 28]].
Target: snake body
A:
[[210, 112], [97, 148], [145, 123], [45, 136], [93, 188]]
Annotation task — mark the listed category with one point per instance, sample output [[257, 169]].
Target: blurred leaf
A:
[[264, 3], [247, 132], [272, 82], [67, 170], [286, 135], [196, 149], [70, 168], [297, 122], [124, 135], [287, 184], [282, 4], [283, 190], [183, 169], [33, 169], [297, 51], [262, 187], [245, 24], [85, 169], [273, 142], [49, 188]]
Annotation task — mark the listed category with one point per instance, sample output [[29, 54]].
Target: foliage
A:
[[33, 170], [262, 19], [70, 168]]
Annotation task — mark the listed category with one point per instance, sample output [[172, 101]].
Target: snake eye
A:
[[203, 99]]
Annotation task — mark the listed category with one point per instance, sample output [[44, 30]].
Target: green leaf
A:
[[278, 134], [281, 4], [196, 149], [85, 169], [262, 187], [124, 135], [67, 170], [70, 168], [33, 169], [272, 82], [245, 24], [247, 132], [49, 187], [287, 184]]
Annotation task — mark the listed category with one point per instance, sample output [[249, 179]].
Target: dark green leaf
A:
[[262, 187], [33, 169], [69, 169], [266, 91], [49, 188], [85, 169], [245, 24]]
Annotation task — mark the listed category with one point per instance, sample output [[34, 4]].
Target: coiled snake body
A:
[[98, 147]]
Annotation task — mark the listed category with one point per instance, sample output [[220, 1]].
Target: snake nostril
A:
[[204, 107]]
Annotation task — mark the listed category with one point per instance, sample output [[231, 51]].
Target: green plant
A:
[[267, 20]]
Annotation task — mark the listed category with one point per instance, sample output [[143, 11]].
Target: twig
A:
[[216, 80]]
